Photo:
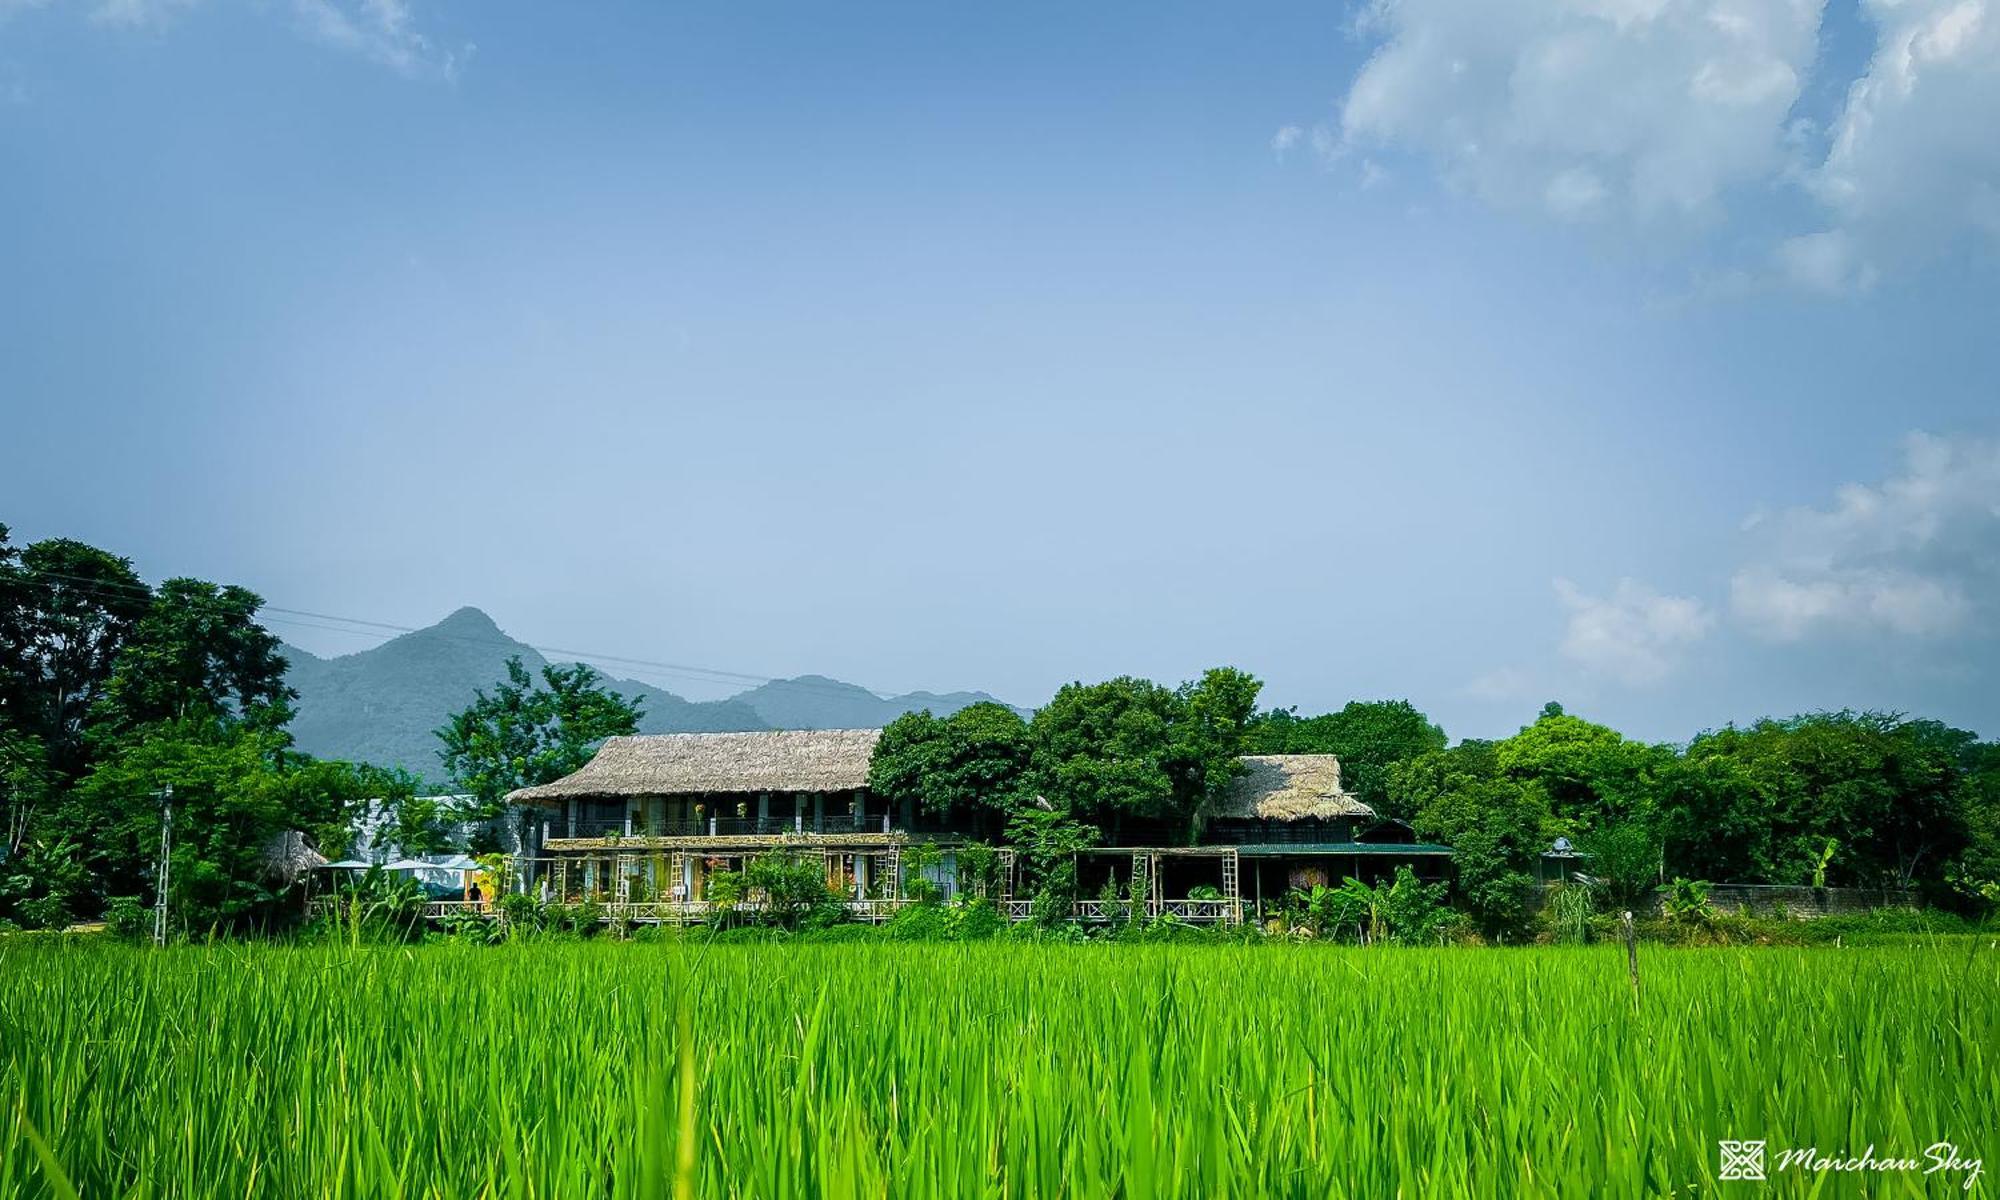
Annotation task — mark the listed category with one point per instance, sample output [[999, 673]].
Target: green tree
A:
[[26, 787], [1106, 753], [418, 824], [1497, 827], [1625, 860], [1593, 775], [68, 610], [1046, 842], [973, 761], [1757, 804], [1209, 730], [1368, 736], [1128, 750], [528, 732], [236, 792], [197, 650], [1975, 873]]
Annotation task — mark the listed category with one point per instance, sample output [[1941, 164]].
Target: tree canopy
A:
[[1369, 736], [530, 731], [975, 759]]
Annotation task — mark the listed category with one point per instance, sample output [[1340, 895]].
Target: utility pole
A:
[[166, 852]]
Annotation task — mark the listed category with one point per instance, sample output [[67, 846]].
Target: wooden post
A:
[[1631, 955]]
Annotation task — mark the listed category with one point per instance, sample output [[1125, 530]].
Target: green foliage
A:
[[1214, 714], [1411, 912], [1624, 859], [419, 824], [1331, 912], [529, 732], [197, 652], [1130, 750], [379, 906], [1591, 774], [978, 867], [111, 692], [66, 610], [128, 917], [1106, 752], [777, 889], [26, 787], [1758, 804], [1369, 736], [921, 861], [1497, 826], [974, 760], [1687, 901], [1046, 841], [1571, 907], [1404, 911]]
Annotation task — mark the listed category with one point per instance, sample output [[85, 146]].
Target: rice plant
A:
[[991, 1070]]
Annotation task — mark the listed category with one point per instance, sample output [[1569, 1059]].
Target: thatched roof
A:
[[286, 856], [1290, 787], [671, 764]]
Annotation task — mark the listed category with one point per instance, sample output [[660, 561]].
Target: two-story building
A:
[[649, 818]]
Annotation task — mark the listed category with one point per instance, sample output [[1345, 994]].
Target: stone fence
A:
[[1804, 902]]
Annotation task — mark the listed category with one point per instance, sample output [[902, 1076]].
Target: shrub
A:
[[1687, 901], [127, 917]]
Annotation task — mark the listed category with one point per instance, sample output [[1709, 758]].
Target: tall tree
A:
[[70, 609], [972, 761], [529, 731], [1105, 752], [1214, 715], [237, 795], [1592, 773], [1130, 750], [198, 651], [1368, 736], [25, 788], [1497, 827]]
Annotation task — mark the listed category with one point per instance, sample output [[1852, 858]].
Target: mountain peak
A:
[[469, 621]]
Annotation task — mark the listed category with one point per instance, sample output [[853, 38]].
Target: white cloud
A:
[[1283, 141], [1914, 166], [380, 30], [1587, 109], [138, 14], [1913, 556], [1825, 262], [1635, 635], [1653, 112], [383, 31]]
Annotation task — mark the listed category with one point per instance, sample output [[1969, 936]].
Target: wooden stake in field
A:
[[1631, 955]]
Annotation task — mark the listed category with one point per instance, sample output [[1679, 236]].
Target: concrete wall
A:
[[1805, 902]]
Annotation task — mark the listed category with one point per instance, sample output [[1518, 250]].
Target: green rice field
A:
[[1003, 1069]]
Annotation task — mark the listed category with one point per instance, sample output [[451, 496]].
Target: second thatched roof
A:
[[674, 764], [1290, 787]]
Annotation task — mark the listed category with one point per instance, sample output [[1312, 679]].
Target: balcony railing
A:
[[685, 912], [719, 827]]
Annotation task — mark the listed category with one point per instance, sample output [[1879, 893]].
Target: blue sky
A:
[[1636, 353]]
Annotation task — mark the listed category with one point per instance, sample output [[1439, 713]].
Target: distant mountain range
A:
[[381, 705]]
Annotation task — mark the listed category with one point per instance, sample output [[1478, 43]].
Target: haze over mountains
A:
[[381, 705]]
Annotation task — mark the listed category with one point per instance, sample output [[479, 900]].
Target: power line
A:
[[310, 620]]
